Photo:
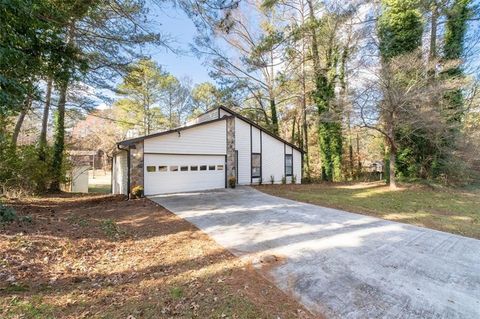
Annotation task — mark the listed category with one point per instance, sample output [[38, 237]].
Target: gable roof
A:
[[233, 114], [245, 119]]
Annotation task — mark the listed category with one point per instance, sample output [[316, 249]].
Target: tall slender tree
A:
[[400, 30], [42, 141], [453, 50]]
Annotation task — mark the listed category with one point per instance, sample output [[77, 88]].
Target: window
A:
[[219, 167], [211, 167], [256, 165], [162, 168], [203, 167], [173, 168], [288, 164], [194, 168], [184, 168], [151, 169]]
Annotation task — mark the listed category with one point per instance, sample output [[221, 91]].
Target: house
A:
[[204, 154]]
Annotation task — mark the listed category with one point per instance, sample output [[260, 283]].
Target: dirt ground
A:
[[98, 256]]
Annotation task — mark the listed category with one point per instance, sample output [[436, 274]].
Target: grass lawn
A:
[[450, 210], [99, 188], [99, 256]]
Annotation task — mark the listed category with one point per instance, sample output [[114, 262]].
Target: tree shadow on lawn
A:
[[451, 211], [198, 287]]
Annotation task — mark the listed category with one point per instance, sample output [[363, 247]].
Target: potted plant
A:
[[232, 181], [137, 192]]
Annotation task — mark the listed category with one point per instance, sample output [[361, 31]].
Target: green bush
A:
[[23, 170], [284, 180], [294, 179], [272, 179], [232, 181], [7, 214]]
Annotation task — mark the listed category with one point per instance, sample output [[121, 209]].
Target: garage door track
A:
[[339, 264]]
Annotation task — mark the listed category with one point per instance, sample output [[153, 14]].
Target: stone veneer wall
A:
[[136, 165], [230, 147]]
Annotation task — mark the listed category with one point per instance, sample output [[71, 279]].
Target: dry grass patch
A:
[[451, 210], [102, 257]]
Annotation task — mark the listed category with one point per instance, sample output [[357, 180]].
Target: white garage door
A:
[[183, 173]]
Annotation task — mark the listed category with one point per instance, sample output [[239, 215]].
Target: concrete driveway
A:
[[339, 264]]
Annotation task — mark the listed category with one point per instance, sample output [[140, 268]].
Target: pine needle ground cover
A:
[[99, 256], [451, 210]]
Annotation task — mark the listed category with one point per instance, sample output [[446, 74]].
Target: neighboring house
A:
[[203, 155], [94, 159], [373, 166]]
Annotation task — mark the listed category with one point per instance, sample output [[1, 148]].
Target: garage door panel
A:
[[161, 178]]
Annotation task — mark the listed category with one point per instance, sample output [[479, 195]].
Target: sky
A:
[[175, 23]]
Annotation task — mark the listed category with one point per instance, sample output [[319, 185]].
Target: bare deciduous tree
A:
[[398, 96]]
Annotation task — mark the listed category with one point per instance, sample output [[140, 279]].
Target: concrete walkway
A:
[[339, 264]]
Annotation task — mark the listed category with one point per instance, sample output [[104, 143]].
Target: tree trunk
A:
[[299, 134], [292, 140], [43, 133], [21, 117], [322, 98], [393, 157], [392, 149], [359, 160], [433, 41], [350, 155], [59, 139], [274, 116], [305, 143], [305, 124], [315, 55]]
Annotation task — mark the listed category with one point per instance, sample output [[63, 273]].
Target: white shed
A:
[[203, 155]]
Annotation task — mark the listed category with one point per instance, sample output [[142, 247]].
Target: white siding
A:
[[119, 170], [272, 159], [273, 155], [297, 165], [255, 140], [242, 145], [204, 139], [224, 113]]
